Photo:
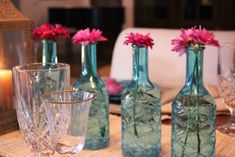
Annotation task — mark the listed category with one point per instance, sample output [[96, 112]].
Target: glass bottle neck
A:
[[194, 69], [140, 64], [49, 52], [89, 66]]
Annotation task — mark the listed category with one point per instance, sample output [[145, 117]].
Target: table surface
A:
[[12, 144]]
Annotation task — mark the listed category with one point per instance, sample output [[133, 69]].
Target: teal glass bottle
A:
[[49, 51], [89, 80], [49, 61], [193, 113], [141, 111]]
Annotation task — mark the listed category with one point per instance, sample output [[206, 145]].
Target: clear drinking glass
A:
[[67, 112], [226, 81], [31, 81]]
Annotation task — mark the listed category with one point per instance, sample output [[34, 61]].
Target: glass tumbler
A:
[[30, 82], [67, 112], [226, 82]]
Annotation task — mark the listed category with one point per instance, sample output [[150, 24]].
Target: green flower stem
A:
[[197, 115], [189, 117], [137, 78], [134, 110], [102, 128], [195, 70], [186, 138], [140, 76]]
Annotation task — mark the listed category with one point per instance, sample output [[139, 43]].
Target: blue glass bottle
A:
[[193, 113], [49, 61], [89, 80], [49, 51], [141, 111]]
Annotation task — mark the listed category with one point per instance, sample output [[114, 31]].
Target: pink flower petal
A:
[[139, 40], [50, 32], [112, 85], [193, 37], [86, 36]]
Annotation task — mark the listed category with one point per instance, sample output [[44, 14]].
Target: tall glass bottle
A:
[[98, 121], [49, 51], [141, 111], [49, 61], [193, 113]]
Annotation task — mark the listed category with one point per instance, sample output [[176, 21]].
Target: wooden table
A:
[[12, 145]]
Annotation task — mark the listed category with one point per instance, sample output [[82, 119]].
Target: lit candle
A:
[[6, 98]]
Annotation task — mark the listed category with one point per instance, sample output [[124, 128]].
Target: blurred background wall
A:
[[36, 10]]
